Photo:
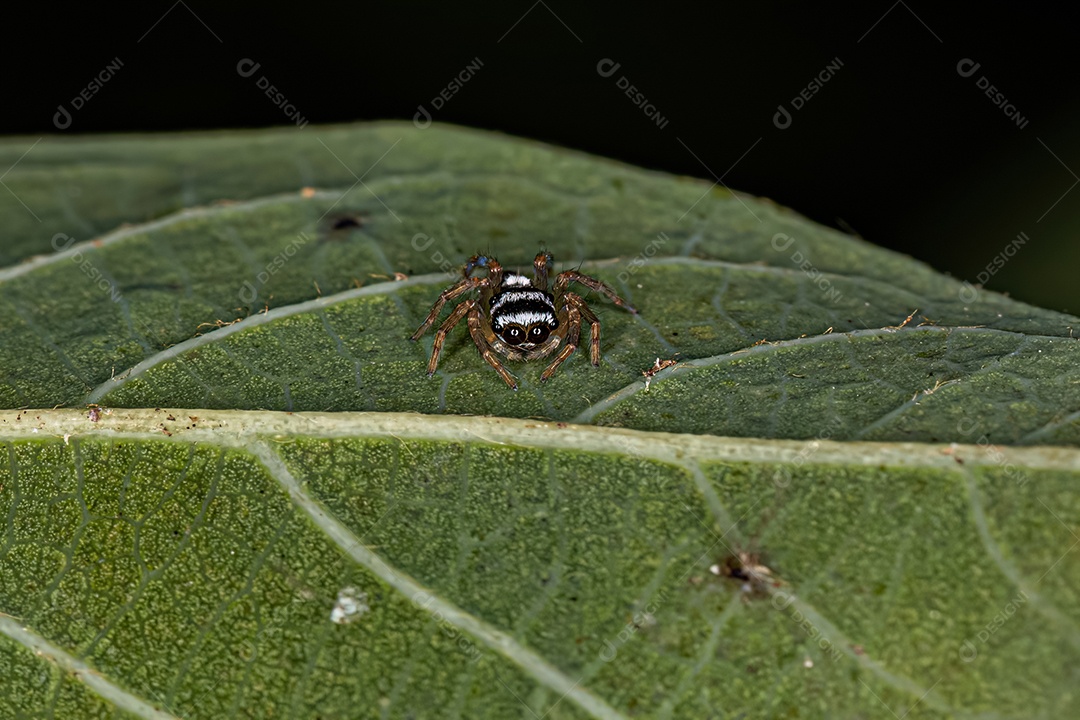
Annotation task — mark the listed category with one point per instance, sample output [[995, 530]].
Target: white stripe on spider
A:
[[511, 296], [515, 280], [524, 319]]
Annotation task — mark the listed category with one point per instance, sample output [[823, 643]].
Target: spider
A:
[[519, 318]]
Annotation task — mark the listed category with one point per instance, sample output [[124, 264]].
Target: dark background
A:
[[897, 146]]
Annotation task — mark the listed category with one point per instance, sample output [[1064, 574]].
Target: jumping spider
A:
[[519, 318]]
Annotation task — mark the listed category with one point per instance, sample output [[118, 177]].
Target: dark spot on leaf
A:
[[348, 221]]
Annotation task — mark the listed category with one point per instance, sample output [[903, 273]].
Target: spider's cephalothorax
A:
[[519, 318]]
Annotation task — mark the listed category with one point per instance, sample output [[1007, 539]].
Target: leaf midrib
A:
[[234, 428]]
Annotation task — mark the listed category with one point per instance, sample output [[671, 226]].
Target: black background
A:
[[896, 146]]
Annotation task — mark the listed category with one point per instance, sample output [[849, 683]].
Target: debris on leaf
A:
[[350, 606], [217, 324], [926, 321], [930, 391], [657, 367], [903, 324], [747, 568]]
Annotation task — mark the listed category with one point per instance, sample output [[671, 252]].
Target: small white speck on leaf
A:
[[351, 605]]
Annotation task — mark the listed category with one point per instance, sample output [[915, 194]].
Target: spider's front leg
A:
[[477, 330], [492, 279], [440, 335], [573, 331], [457, 290]]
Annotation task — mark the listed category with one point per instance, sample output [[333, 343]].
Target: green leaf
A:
[[129, 320], [194, 563], [587, 550]]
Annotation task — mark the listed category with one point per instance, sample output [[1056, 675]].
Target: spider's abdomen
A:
[[522, 315], [522, 307]]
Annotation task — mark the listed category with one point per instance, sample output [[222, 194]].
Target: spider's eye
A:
[[538, 333], [513, 335]]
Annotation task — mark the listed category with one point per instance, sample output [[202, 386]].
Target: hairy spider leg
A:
[[563, 280], [494, 275], [594, 323], [484, 346], [542, 266], [573, 330], [492, 280], [456, 290], [448, 325], [510, 353]]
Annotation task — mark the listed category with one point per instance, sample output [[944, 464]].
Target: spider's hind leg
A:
[[594, 324]]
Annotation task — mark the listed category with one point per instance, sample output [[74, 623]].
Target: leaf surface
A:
[[276, 513]]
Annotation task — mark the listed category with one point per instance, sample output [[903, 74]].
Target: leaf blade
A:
[[325, 451]]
